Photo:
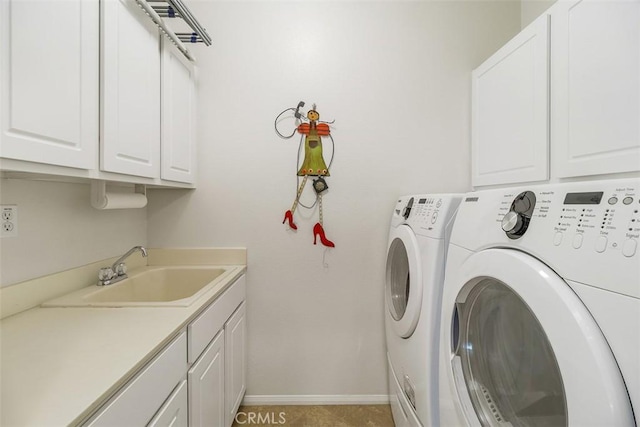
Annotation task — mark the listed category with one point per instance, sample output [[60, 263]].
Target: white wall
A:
[[395, 76], [58, 229]]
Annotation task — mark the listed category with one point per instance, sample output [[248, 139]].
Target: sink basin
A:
[[159, 285], [153, 286]]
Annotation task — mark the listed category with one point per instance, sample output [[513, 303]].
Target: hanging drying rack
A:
[[159, 9]]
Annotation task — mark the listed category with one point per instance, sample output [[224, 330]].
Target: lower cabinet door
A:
[[206, 386], [175, 411], [235, 335]]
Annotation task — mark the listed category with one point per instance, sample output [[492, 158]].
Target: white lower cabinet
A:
[[206, 386], [139, 400], [175, 411], [199, 379], [235, 342], [217, 351]]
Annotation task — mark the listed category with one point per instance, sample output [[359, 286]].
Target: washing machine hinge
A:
[[409, 391]]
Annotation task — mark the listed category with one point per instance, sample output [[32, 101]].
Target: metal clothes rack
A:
[[157, 10]]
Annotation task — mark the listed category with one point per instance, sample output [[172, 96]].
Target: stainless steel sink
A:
[[152, 286]]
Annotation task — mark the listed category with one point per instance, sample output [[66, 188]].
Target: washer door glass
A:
[[508, 363], [403, 281], [398, 279]]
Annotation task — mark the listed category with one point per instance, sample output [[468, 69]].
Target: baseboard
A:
[[340, 399]]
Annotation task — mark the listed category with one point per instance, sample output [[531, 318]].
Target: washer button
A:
[[601, 244], [627, 200], [434, 217], [629, 248], [613, 200], [557, 239], [577, 241]]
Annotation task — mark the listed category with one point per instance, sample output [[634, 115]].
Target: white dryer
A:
[[541, 307], [420, 225]]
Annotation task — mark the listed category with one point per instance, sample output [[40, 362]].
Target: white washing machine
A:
[[420, 225], [541, 307]]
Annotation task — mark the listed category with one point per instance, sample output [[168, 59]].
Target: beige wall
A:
[[58, 229], [531, 9], [395, 76]]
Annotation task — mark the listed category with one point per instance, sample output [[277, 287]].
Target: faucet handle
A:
[[105, 273], [121, 269]]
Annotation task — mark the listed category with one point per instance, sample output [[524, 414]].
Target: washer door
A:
[[403, 281], [526, 351]]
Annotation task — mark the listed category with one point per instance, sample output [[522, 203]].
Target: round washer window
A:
[[509, 367], [398, 279]]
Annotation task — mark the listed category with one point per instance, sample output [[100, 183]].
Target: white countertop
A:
[[58, 365]]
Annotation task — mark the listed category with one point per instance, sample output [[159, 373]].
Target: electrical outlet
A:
[[9, 219]]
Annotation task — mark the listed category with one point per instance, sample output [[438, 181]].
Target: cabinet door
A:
[[206, 386], [235, 332], [510, 111], [595, 66], [174, 412], [49, 81], [178, 116], [130, 90]]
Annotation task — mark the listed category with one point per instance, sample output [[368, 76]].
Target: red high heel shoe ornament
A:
[[313, 165], [319, 231], [288, 215]]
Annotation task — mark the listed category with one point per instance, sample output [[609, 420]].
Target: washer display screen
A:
[[593, 198]]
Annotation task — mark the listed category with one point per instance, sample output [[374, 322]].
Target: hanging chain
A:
[[295, 202], [320, 207]]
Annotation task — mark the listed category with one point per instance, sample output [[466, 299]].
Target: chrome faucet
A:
[[118, 271]]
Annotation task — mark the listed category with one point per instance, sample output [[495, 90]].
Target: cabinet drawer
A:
[[175, 411], [141, 398], [202, 330]]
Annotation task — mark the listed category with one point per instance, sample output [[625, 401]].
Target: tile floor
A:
[[315, 416]]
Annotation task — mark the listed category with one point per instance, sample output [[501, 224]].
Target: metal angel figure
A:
[[313, 165]]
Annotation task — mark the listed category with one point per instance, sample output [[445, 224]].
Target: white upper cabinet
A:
[[130, 90], [510, 111], [595, 127], [178, 156], [49, 81]]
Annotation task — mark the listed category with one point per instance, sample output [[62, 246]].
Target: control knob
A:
[[516, 221], [513, 223], [407, 209]]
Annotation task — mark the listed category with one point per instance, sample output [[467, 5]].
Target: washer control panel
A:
[[427, 214], [606, 217], [587, 231], [428, 210], [610, 220]]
